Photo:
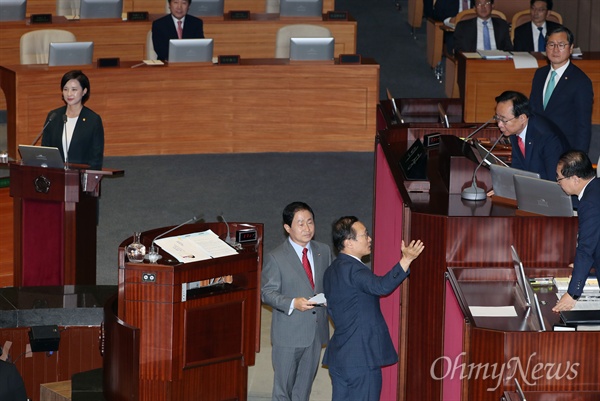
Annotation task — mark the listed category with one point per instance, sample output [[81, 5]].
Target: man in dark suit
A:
[[569, 101], [576, 176], [537, 143], [361, 343], [12, 387], [292, 274], [478, 34], [177, 25], [531, 36]]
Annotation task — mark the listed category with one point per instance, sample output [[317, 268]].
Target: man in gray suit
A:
[[291, 275]]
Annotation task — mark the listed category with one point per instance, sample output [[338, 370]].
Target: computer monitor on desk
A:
[[542, 197], [70, 53], [13, 10], [207, 8], [100, 9], [312, 49], [301, 8], [190, 51]]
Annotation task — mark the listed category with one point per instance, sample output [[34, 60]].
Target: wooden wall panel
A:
[[581, 17], [78, 352]]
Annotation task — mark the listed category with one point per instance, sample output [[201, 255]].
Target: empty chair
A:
[[35, 45], [67, 7], [282, 43], [150, 53]]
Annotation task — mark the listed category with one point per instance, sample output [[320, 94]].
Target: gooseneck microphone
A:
[[66, 144], [472, 134], [153, 255], [228, 239], [43, 129], [474, 193]]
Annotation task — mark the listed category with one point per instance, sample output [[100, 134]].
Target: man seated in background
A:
[[537, 143], [531, 36], [177, 25], [478, 33], [445, 11]]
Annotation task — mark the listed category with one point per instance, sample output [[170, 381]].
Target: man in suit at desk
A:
[[562, 92], [479, 34], [177, 25], [576, 176], [292, 274], [531, 36], [361, 343], [445, 11], [537, 142]]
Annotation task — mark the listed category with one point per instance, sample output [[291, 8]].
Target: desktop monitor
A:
[[522, 283], [397, 117], [312, 49], [190, 50], [100, 9], [301, 8], [207, 8], [70, 53], [13, 10], [443, 116], [542, 197]]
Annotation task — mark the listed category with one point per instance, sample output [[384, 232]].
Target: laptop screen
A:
[[41, 156]]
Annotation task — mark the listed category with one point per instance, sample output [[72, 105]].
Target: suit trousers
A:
[[295, 370], [355, 383]]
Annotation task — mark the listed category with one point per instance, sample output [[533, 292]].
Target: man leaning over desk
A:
[[177, 25]]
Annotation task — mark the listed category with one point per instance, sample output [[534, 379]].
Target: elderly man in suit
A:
[[576, 176], [479, 34], [361, 343], [562, 92], [537, 143], [292, 274], [177, 25], [531, 36]]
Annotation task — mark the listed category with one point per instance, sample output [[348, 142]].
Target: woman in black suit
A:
[[75, 129]]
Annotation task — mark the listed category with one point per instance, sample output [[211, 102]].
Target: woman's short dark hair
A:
[[81, 78], [342, 230]]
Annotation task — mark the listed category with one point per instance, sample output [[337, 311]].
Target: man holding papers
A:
[[576, 176], [361, 343], [292, 274]]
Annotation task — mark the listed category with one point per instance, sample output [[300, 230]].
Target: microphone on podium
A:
[[474, 193], [472, 134], [66, 148], [153, 255], [45, 125], [228, 239]]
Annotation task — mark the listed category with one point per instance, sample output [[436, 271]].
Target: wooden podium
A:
[[55, 224], [183, 340]]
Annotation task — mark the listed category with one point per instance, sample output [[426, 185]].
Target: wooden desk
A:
[[553, 396], [259, 106], [455, 233], [127, 39], [515, 346], [158, 7], [480, 81]]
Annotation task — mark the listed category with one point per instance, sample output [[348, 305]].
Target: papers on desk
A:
[[195, 247], [493, 311], [495, 54], [524, 60]]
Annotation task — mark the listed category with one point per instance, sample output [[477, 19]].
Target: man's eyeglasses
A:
[[552, 46], [487, 3], [503, 120], [561, 178]]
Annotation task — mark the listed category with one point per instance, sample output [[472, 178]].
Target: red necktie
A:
[[521, 145], [307, 268], [179, 29]]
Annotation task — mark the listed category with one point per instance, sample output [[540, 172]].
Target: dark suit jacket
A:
[[87, 144], [465, 35], [361, 336], [588, 238], [524, 36], [12, 387], [569, 107], [283, 279], [544, 145], [443, 9], [163, 30]]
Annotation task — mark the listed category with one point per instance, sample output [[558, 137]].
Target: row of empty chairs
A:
[[34, 45]]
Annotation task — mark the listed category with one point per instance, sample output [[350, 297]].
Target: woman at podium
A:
[[73, 128]]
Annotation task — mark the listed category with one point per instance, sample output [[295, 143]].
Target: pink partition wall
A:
[[387, 229]]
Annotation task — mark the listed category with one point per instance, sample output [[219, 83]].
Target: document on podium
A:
[[196, 246]]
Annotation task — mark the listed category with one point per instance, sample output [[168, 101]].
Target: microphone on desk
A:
[[474, 193], [472, 134], [66, 148], [153, 255], [228, 239], [43, 129]]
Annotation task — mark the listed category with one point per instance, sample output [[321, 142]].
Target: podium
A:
[[55, 224], [170, 336]]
